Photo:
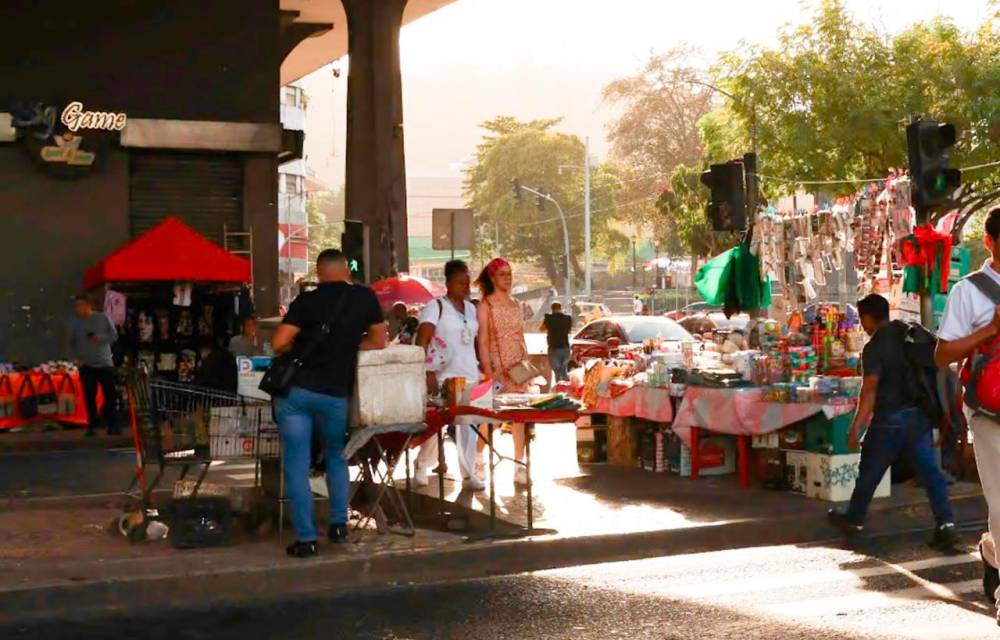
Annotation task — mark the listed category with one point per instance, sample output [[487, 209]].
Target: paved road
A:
[[893, 589]]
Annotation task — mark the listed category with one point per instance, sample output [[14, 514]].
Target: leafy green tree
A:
[[326, 224], [532, 152], [832, 97], [656, 132]]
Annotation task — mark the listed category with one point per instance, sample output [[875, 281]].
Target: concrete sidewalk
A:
[[65, 561]]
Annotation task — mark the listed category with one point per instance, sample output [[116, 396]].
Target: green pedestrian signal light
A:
[[352, 243]]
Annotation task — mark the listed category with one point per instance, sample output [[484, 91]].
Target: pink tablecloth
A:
[[646, 403], [742, 412]]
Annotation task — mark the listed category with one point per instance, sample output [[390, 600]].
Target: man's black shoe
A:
[[945, 538], [991, 578], [338, 533], [842, 523], [299, 549]]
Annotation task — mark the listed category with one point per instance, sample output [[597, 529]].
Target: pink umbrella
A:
[[406, 289]]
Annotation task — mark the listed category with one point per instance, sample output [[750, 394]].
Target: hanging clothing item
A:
[[115, 307], [732, 279], [928, 251]]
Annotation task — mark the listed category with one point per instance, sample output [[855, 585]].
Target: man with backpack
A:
[[892, 395], [970, 331]]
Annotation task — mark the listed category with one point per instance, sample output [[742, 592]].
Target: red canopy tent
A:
[[170, 251]]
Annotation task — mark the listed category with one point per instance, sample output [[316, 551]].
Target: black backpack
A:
[[919, 345]]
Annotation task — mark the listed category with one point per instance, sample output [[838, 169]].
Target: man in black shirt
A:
[[339, 319], [557, 326], [899, 426]]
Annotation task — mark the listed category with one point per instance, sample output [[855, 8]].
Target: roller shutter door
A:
[[204, 190]]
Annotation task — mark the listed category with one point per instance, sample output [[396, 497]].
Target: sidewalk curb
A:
[[11, 446], [208, 585]]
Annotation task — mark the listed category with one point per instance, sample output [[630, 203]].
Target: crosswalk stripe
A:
[[787, 581], [869, 600], [241, 476]]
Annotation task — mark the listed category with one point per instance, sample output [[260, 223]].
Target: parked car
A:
[[589, 311], [702, 323], [592, 341], [691, 309]]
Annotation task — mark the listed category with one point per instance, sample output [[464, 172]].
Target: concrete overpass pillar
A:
[[376, 168]]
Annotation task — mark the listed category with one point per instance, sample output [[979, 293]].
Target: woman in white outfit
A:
[[450, 323]]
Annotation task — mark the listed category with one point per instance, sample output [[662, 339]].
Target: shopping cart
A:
[[189, 427]]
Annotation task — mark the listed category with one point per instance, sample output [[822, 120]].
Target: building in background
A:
[[293, 222], [423, 195]]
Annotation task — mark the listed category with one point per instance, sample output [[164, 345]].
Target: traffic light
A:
[[540, 203], [932, 181], [352, 244], [727, 205], [515, 184]]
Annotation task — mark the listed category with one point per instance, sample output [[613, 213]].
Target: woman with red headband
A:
[[501, 340]]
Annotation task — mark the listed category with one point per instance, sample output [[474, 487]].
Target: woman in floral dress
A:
[[501, 340]]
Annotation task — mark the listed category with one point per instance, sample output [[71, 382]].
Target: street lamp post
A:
[[565, 229], [588, 262]]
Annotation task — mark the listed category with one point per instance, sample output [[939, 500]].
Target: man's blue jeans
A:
[[298, 413], [559, 360], [906, 433]]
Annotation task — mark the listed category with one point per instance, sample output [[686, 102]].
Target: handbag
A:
[[66, 395], [280, 375], [7, 402], [439, 353], [27, 405], [47, 404], [522, 372]]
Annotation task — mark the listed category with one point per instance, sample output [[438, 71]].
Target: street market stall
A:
[[48, 392], [175, 296]]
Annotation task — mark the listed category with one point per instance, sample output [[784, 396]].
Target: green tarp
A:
[[732, 280]]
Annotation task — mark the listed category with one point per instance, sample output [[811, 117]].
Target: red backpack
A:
[[981, 374]]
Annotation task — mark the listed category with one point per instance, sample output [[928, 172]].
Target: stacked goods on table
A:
[[536, 402]]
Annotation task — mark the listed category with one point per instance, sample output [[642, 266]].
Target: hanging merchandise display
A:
[[733, 280], [799, 250], [927, 259]]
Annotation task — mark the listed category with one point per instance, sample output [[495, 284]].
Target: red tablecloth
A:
[[647, 403], [38, 383], [742, 412]]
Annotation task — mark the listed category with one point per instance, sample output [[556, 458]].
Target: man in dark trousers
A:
[[336, 320], [91, 335], [898, 427], [557, 326]]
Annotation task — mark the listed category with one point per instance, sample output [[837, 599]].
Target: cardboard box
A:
[[717, 456], [828, 436], [797, 471], [766, 441], [833, 478], [793, 438]]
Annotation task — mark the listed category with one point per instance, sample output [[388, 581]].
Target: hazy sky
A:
[[476, 59]]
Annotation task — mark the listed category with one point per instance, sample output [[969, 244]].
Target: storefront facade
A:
[[192, 86]]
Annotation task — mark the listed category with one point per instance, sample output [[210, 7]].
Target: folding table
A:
[[437, 418]]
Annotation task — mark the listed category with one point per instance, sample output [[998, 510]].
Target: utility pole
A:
[[586, 218]]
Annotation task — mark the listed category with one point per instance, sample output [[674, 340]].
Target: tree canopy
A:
[[532, 152], [828, 101]]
